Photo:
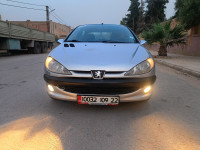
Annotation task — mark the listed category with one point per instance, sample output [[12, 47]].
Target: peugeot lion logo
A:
[[98, 74]]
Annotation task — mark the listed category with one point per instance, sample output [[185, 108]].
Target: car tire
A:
[[44, 47], [30, 50], [37, 48]]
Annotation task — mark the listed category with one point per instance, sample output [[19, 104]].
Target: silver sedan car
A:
[[100, 64]]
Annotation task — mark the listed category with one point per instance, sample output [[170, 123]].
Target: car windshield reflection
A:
[[102, 33]]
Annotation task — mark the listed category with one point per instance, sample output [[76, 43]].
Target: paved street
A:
[[183, 63], [30, 119]]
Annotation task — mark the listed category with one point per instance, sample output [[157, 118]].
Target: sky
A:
[[71, 12]]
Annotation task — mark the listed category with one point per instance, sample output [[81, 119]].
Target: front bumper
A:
[[128, 90]]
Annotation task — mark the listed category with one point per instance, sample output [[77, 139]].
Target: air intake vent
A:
[[69, 45], [66, 45], [72, 45]]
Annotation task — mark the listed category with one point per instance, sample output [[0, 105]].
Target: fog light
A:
[[147, 89], [50, 87]]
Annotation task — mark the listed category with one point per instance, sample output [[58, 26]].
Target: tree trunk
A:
[[162, 50], [191, 35]]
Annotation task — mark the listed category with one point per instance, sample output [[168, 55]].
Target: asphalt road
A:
[[29, 119]]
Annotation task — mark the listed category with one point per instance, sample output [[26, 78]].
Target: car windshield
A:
[[102, 33]]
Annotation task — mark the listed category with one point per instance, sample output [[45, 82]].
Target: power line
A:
[[24, 3], [60, 21], [58, 18], [50, 2], [21, 7], [52, 13]]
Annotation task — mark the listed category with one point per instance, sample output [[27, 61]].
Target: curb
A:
[[179, 68]]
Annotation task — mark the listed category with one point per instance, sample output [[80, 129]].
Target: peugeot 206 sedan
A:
[[100, 64]]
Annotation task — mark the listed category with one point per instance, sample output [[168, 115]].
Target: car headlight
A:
[[54, 66], [141, 68]]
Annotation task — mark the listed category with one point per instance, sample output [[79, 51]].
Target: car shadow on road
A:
[[67, 124], [111, 126]]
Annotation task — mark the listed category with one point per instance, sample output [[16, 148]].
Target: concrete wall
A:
[[55, 28]]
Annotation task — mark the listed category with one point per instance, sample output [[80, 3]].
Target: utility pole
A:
[[47, 19], [47, 13]]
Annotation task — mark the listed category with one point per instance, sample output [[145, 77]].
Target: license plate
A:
[[98, 100]]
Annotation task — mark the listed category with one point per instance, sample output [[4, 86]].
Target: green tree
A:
[[141, 20], [123, 21], [155, 11], [131, 19], [165, 36], [188, 12]]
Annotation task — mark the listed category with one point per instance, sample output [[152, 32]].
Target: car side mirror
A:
[[60, 41], [142, 42]]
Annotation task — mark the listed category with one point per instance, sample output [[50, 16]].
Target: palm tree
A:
[[165, 35]]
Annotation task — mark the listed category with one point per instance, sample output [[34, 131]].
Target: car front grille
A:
[[98, 90], [107, 72]]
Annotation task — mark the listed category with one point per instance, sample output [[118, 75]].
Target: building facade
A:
[[61, 31]]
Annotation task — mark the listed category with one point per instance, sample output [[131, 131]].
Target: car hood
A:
[[100, 56]]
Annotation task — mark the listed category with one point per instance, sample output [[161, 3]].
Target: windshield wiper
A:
[[113, 42], [73, 41]]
